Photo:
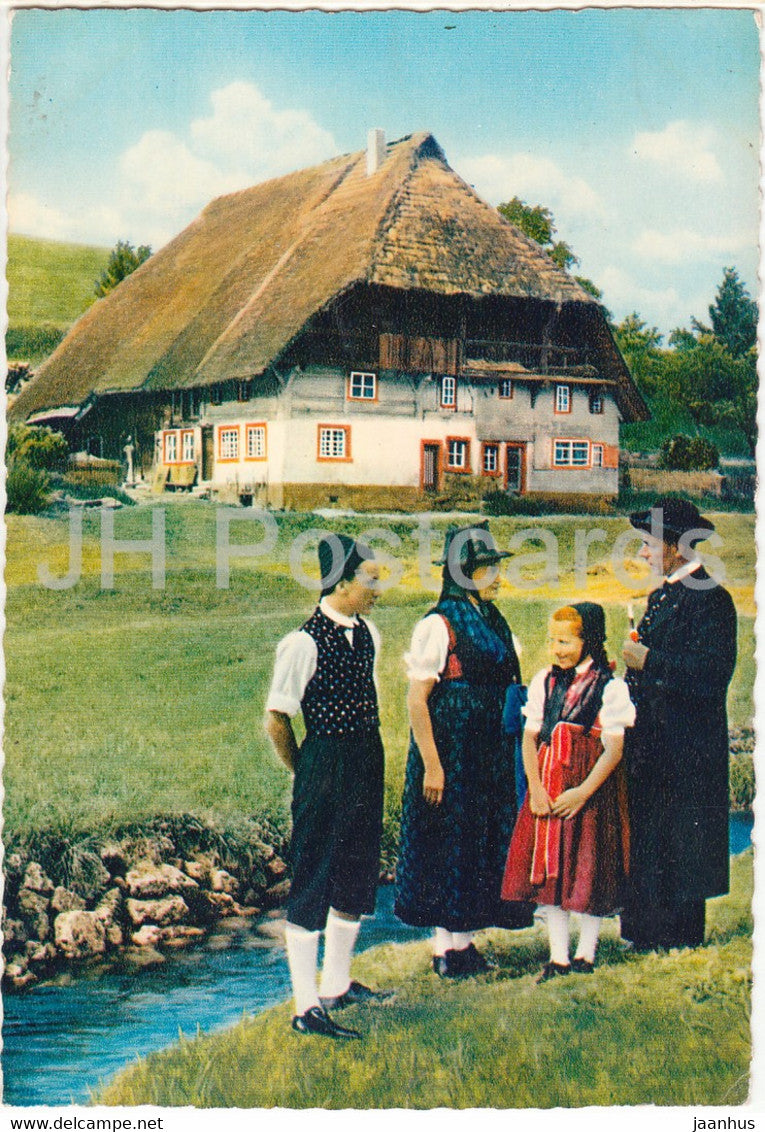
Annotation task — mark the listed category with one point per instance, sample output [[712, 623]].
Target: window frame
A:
[[570, 465], [169, 434], [560, 386], [346, 458], [248, 427], [457, 469], [443, 403], [184, 459], [597, 402], [363, 374], [506, 381], [485, 446], [234, 429]]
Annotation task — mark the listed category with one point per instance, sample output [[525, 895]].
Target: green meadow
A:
[[126, 702], [665, 1030]]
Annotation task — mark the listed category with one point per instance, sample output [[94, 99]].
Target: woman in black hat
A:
[[459, 803], [678, 671]]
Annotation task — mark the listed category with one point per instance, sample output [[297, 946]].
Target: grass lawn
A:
[[667, 1029], [50, 282], [127, 702]]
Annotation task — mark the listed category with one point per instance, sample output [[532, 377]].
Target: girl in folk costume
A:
[[570, 849], [459, 803]]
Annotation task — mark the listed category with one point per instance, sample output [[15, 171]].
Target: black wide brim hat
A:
[[675, 518], [475, 547]]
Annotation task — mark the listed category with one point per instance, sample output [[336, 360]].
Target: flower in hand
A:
[[569, 803]]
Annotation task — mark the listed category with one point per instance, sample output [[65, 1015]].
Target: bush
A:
[[742, 781], [504, 503], [26, 487], [688, 454], [41, 448]]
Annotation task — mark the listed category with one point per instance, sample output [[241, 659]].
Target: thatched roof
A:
[[230, 292]]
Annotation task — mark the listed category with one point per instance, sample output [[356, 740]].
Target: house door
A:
[[208, 452], [431, 466], [515, 465]]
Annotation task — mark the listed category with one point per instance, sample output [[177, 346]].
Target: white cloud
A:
[[168, 176], [537, 180], [246, 131], [684, 148], [81, 223], [684, 245]]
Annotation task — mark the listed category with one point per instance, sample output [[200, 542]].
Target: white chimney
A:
[[375, 150]]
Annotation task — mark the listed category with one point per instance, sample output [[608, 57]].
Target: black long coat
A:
[[677, 753]]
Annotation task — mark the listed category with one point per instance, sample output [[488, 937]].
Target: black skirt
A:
[[337, 805]]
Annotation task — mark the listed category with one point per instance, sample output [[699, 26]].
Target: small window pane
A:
[[256, 442], [448, 391], [332, 443], [490, 458], [229, 444]]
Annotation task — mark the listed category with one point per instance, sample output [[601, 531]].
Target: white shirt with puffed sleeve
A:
[[297, 657], [617, 711], [429, 648]]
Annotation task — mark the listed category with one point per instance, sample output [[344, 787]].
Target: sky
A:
[[638, 128]]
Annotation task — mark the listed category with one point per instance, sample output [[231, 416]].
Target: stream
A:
[[61, 1040]]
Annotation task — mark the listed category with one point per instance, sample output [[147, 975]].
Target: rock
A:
[[148, 881], [14, 933], [114, 859], [79, 934], [202, 908], [272, 929], [32, 904], [36, 879], [180, 936], [278, 893], [16, 967], [221, 881], [147, 936], [276, 868], [115, 937], [109, 908], [223, 903], [197, 870], [250, 898], [39, 926], [40, 952], [171, 910], [64, 900], [14, 864], [146, 956]]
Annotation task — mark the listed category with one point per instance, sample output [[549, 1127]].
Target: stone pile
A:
[[130, 905]]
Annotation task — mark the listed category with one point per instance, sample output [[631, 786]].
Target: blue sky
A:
[[638, 128]]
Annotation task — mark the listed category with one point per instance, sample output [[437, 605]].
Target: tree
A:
[[640, 345], [734, 315], [123, 260], [537, 221]]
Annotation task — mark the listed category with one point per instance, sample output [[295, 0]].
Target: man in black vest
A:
[[678, 671], [326, 669]]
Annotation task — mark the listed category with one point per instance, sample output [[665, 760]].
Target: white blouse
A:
[[296, 659], [616, 713], [429, 649]]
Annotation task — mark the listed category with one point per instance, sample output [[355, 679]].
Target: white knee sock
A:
[[302, 951], [443, 941], [462, 940], [557, 933], [588, 938], [339, 938]]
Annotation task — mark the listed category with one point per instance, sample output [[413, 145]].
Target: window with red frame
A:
[[457, 454]]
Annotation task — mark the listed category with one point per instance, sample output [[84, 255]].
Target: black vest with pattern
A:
[[340, 698]]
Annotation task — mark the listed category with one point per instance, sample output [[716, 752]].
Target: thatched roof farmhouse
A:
[[376, 310]]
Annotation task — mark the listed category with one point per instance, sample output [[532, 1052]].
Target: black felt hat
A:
[[673, 519], [467, 548], [339, 558]]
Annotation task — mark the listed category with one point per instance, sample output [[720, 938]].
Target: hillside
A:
[[50, 284]]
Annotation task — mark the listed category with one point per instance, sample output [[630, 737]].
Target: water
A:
[[62, 1041]]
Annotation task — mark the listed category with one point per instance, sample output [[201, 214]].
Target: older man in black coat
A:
[[678, 670]]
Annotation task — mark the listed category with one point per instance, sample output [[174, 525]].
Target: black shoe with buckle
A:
[[317, 1021], [582, 966], [470, 961], [356, 995], [552, 970]]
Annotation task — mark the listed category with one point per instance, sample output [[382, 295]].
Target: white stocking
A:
[[339, 939], [302, 951], [443, 941], [588, 938], [557, 932], [462, 940]]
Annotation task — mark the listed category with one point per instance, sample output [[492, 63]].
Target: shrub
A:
[[41, 447], [741, 781], [26, 487], [688, 453]]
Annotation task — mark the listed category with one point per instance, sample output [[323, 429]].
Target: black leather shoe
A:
[[582, 966], [357, 994], [552, 970], [443, 968], [317, 1021], [470, 961]]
